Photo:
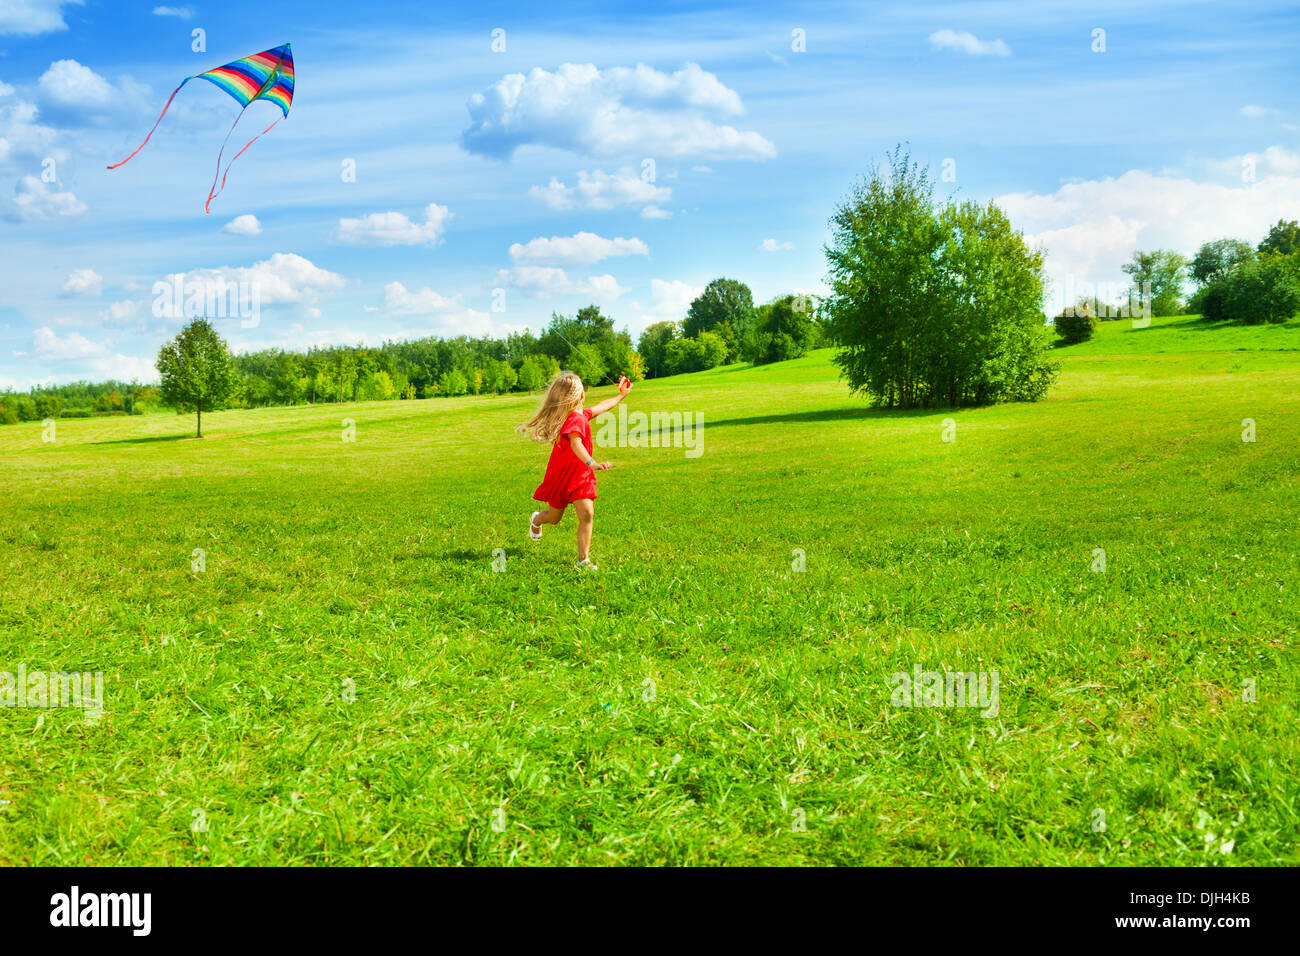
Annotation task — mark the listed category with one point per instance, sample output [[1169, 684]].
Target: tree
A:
[[585, 361], [1216, 259], [1163, 271], [783, 331], [453, 382], [1262, 291], [654, 340], [723, 300], [933, 306], [197, 371], [1283, 239]]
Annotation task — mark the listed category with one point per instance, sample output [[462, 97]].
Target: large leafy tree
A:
[[931, 306], [723, 300], [652, 345], [1283, 239], [197, 371], [1163, 271], [1216, 259]]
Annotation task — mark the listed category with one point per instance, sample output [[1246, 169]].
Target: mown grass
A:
[[697, 697]]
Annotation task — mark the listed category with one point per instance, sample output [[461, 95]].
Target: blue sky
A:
[[622, 154]]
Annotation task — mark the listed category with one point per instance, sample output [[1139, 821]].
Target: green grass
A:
[[333, 565]]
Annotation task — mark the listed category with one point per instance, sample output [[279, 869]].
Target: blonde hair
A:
[[563, 398]]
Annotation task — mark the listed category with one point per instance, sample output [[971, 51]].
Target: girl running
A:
[[571, 472]]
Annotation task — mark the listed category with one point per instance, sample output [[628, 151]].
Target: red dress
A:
[[568, 479]]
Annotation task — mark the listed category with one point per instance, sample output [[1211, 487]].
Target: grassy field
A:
[[349, 680]]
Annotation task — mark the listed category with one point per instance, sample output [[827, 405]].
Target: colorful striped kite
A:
[[263, 76]]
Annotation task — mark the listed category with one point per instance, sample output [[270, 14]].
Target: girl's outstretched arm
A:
[[575, 445], [600, 408]]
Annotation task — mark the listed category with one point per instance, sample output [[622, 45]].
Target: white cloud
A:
[[398, 301], [772, 245], [449, 315], [123, 368], [283, 279], [395, 228], [1089, 229], [967, 43], [33, 17], [1252, 111], [68, 83], [619, 111], [600, 190], [546, 281], [654, 212], [581, 249], [245, 225], [1275, 160], [34, 199], [47, 345], [83, 282], [669, 301], [180, 13]]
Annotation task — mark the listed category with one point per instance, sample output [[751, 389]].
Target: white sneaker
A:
[[586, 565], [534, 529]]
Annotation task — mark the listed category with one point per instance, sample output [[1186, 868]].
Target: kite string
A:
[[215, 176], [213, 196], [155, 125]]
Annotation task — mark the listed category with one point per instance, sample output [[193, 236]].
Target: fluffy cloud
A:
[[669, 301], [967, 43], [395, 228], [601, 190], [283, 279], [448, 314], [83, 282], [1089, 229], [546, 281], [398, 301], [620, 111], [581, 249], [34, 200], [654, 212], [47, 345], [245, 225], [180, 13], [68, 83], [1251, 111], [33, 17], [772, 245]]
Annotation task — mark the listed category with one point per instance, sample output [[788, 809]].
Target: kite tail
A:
[[214, 195], [155, 125]]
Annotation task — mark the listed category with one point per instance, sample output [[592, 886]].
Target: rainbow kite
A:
[[263, 76]]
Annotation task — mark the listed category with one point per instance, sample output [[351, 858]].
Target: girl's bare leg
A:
[[585, 509], [550, 516]]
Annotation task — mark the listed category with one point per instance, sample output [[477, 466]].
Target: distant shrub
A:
[[1076, 325], [8, 416]]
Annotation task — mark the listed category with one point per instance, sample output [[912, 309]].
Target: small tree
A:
[[723, 300], [1163, 271], [933, 306], [197, 371]]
